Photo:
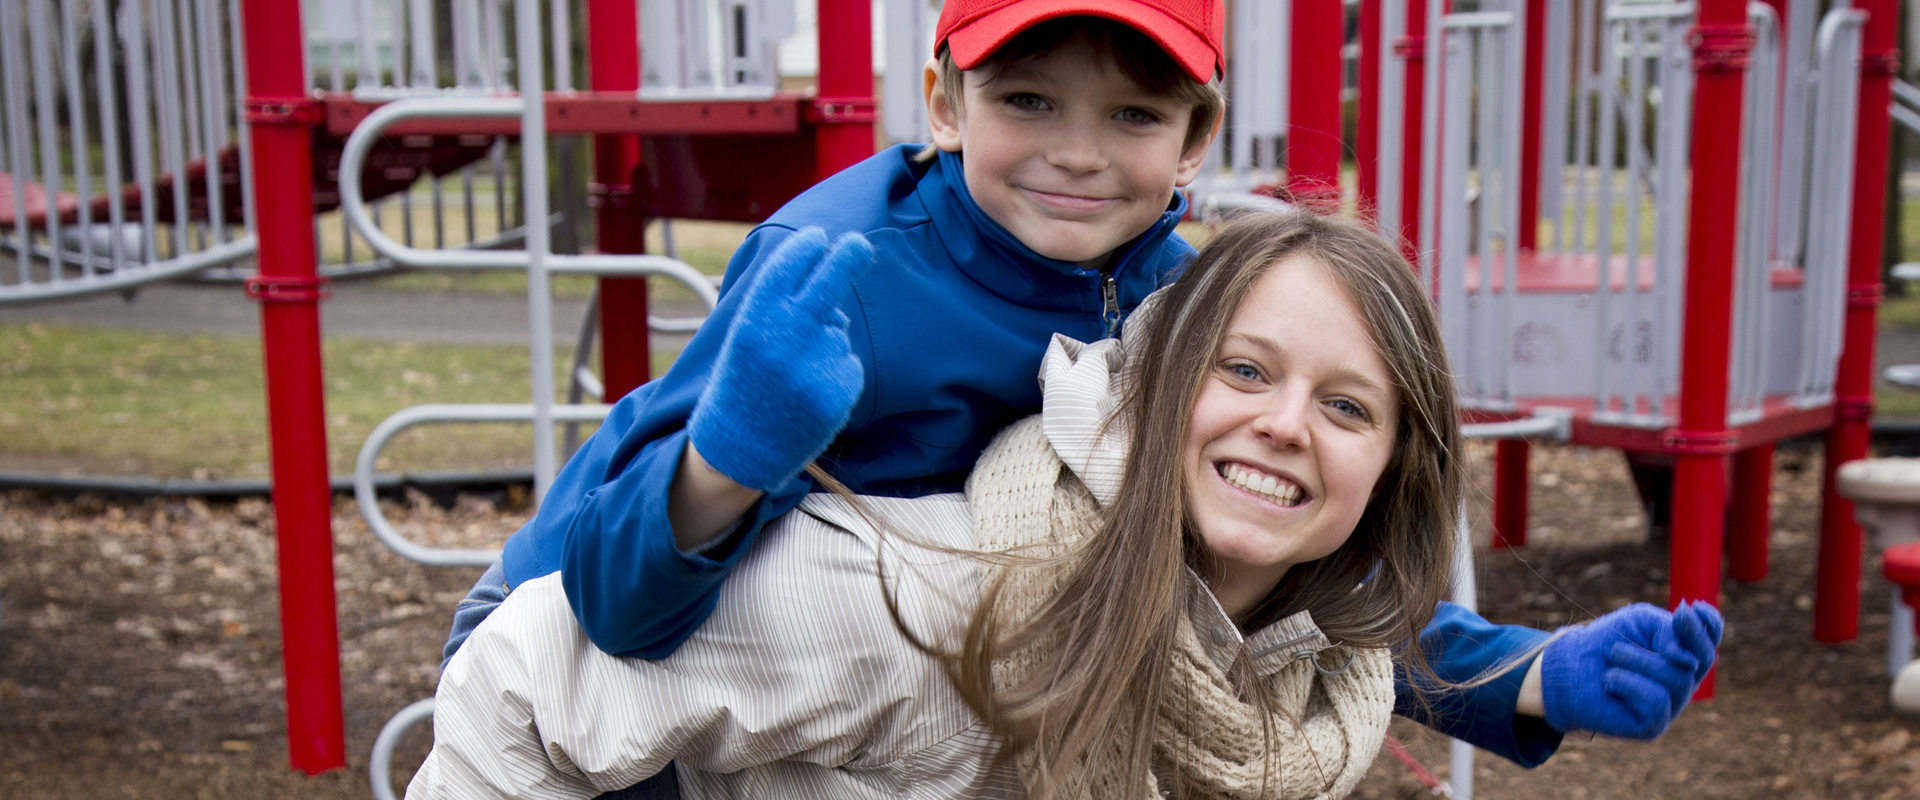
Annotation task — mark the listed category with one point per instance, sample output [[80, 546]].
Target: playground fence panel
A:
[[1753, 261], [1247, 154], [1829, 207], [1591, 319], [1476, 152], [125, 157]]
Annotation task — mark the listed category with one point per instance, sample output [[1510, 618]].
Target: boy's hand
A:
[[1629, 673], [786, 379]]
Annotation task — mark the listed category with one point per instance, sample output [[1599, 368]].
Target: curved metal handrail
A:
[[380, 765], [129, 276], [353, 159], [363, 488], [353, 205]]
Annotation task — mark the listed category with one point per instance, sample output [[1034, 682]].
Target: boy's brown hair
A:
[[1132, 52]]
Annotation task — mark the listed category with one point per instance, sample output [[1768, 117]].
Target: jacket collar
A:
[[994, 258]]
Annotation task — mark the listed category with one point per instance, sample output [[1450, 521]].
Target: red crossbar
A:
[[1578, 273], [602, 111]]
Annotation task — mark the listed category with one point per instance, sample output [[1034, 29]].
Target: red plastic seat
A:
[[36, 203], [1901, 564]]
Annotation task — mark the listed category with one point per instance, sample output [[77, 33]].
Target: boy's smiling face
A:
[[1066, 152]]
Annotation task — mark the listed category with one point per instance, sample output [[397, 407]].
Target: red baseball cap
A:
[[1189, 30]]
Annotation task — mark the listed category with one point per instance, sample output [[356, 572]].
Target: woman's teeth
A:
[[1283, 492]]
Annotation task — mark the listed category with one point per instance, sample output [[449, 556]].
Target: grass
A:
[[117, 402], [106, 402]]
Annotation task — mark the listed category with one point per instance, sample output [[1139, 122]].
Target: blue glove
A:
[[1628, 674], [786, 379]]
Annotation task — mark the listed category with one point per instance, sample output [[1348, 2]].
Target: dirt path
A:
[[139, 651]]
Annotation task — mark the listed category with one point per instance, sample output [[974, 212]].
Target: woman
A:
[[1188, 576]]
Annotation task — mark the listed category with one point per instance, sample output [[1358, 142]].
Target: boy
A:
[[1061, 131]]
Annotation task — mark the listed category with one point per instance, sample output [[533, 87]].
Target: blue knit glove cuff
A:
[[786, 380]]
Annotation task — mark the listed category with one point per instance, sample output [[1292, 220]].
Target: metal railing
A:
[[365, 492], [1760, 165], [388, 49], [1547, 424], [1797, 86], [539, 262], [1829, 216], [536, 259], [1645, 73], [909, 42], [1471, 152], [128, 166], [1389, 167], [1248, 153], [380, 766]]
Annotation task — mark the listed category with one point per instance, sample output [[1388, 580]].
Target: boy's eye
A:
[[1136, 116], [1027, 102]]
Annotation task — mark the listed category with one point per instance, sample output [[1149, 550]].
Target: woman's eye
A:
[[1245, 372], [1349, 408]]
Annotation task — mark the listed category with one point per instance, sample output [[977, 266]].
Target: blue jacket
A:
[[950, 325]]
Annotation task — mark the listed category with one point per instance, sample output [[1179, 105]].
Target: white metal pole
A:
[[1466, 594], [533, 172], [1900, 634]]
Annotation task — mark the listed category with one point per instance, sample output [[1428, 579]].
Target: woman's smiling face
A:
[[1294, 425]]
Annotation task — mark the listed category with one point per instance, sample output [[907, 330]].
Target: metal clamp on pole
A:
[[834, 110], [287, 288], [285, 111]]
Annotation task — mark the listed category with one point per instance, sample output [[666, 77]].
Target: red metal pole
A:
[[1510, 493], [1749, 521], [1722, 39], [1313, 102], [1530, 105], [1366, 111], [1510, 457], [613, 53], [280, 115], [1836, 604], [844, 104], [1413, 47]]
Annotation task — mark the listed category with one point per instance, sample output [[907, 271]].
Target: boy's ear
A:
[[942, 117], [1196, 156]]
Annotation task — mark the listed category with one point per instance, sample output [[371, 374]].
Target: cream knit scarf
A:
[[1326, 723]]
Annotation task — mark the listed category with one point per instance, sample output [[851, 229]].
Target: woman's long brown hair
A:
[[1110, 626]]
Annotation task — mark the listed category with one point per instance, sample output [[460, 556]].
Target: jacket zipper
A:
[[1110, 303]]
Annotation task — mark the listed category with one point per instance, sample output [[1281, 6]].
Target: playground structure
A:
[[1698, 331]]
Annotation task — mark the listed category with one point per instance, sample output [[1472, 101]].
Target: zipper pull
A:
[[1110, 299]]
